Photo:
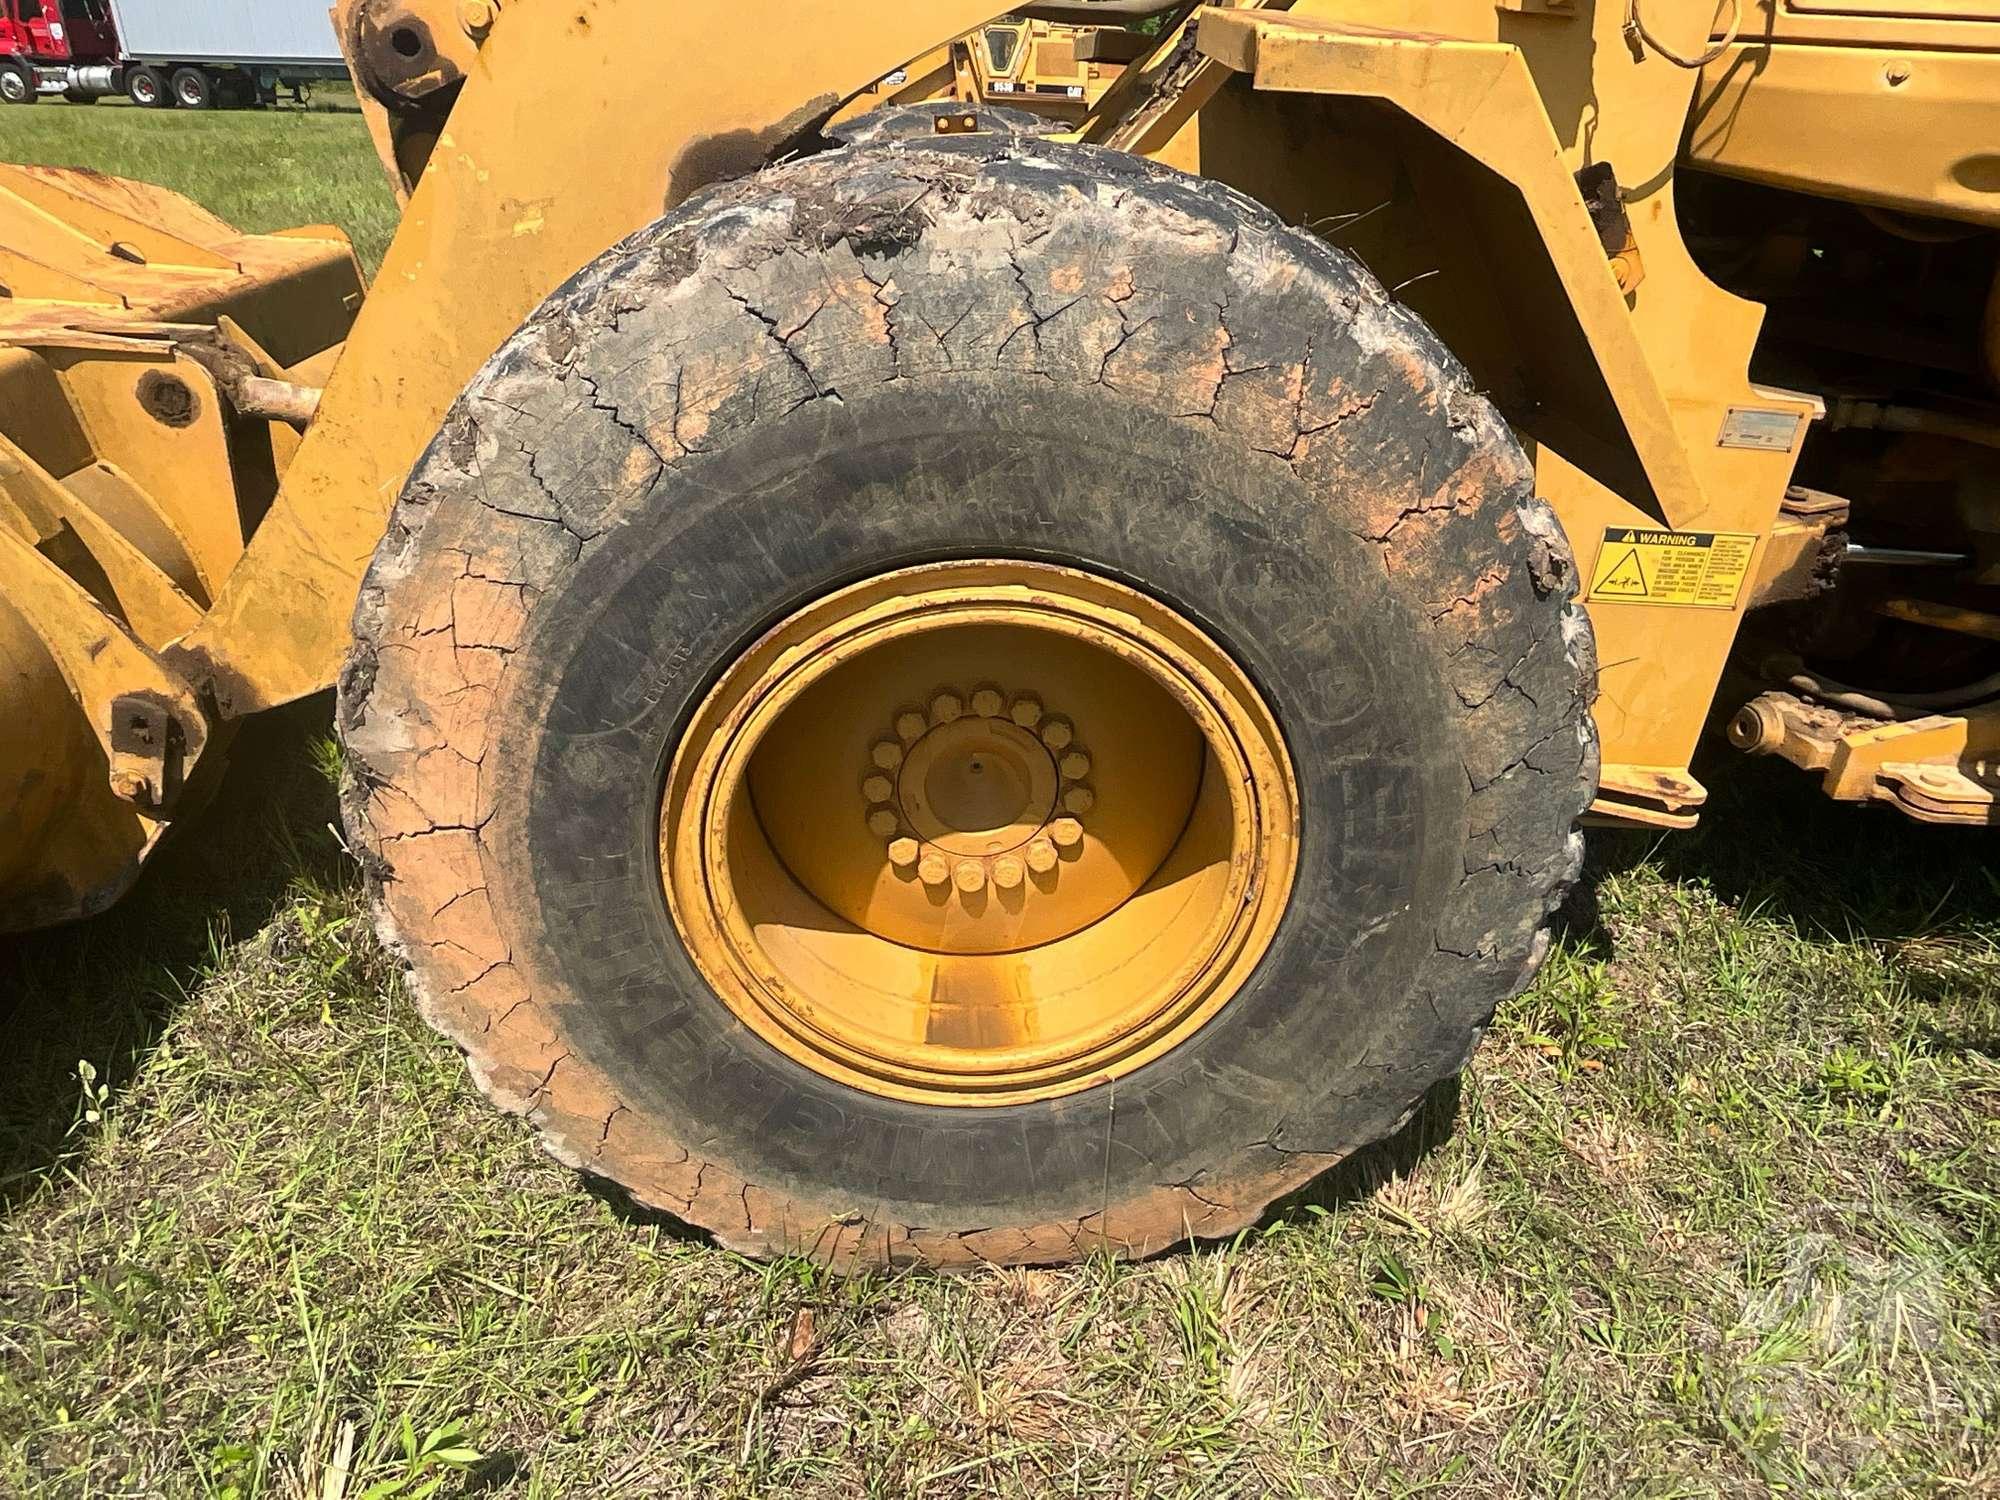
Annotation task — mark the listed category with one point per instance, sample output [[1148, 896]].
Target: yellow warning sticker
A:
[[1697, 569]]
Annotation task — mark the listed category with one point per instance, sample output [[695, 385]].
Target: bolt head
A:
[[1026, 711], [1074, 766], [476, 17], [878, 789], [1898, 73], [903, 852], [1066, 832], [1041, 856], [130, 786], [883, 823], [1057, 733], [933, 870], [887, 754], [1079, 800], [987, 703], [910, 724], [1008, 872], [970, 876], [945, 707]]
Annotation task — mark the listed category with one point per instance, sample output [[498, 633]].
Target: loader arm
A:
[[529, 175]]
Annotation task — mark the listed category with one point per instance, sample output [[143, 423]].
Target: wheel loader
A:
[[927, 684]]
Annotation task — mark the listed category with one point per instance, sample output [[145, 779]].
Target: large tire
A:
[[939, 348], [17, 84]]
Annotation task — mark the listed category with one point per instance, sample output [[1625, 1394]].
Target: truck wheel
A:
[[145, 87], [968, 702], [17, 84], [193, 89]]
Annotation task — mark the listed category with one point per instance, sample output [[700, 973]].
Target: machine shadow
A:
[[1355, 1179], [100, 991], [1772, 842]]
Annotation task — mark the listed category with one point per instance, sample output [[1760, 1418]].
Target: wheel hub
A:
[[979, 792], [893, 851]]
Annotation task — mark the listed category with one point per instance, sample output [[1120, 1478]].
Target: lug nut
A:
[[1056, 733], [883, 823], [1041, 856], [887, 754], [910, 724], [878, 788], [1007, 872], [1074, 766], [933, 870], [987, 703], [1067, 832], [476, 18], [1079, 800], [1027, 711], [903, 852], [969, 876], [945, 707]]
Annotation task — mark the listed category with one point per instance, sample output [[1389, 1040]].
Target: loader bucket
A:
[[155, 369]]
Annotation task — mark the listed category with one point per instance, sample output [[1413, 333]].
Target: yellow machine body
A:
[[1058, 72], [1512, 171]]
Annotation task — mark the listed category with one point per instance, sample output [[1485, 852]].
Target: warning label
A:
[[1699, 569]]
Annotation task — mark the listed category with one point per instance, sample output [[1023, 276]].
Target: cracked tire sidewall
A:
[[898, 354]]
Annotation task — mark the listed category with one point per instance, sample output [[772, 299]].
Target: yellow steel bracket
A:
[[142, 714], [1943, 768], [154, 606], [1482, 99], [1144, 110], [576, 125]]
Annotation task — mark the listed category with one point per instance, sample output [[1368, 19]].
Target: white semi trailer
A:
[[192, 53]]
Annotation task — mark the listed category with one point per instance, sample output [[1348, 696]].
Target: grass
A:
[[1715, 1211]]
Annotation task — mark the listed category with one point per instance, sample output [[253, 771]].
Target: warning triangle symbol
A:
[[1626, 580]]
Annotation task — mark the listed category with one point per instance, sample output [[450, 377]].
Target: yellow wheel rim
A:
[[979, 833]]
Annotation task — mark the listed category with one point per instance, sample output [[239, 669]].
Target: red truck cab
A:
[[55, 47]]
